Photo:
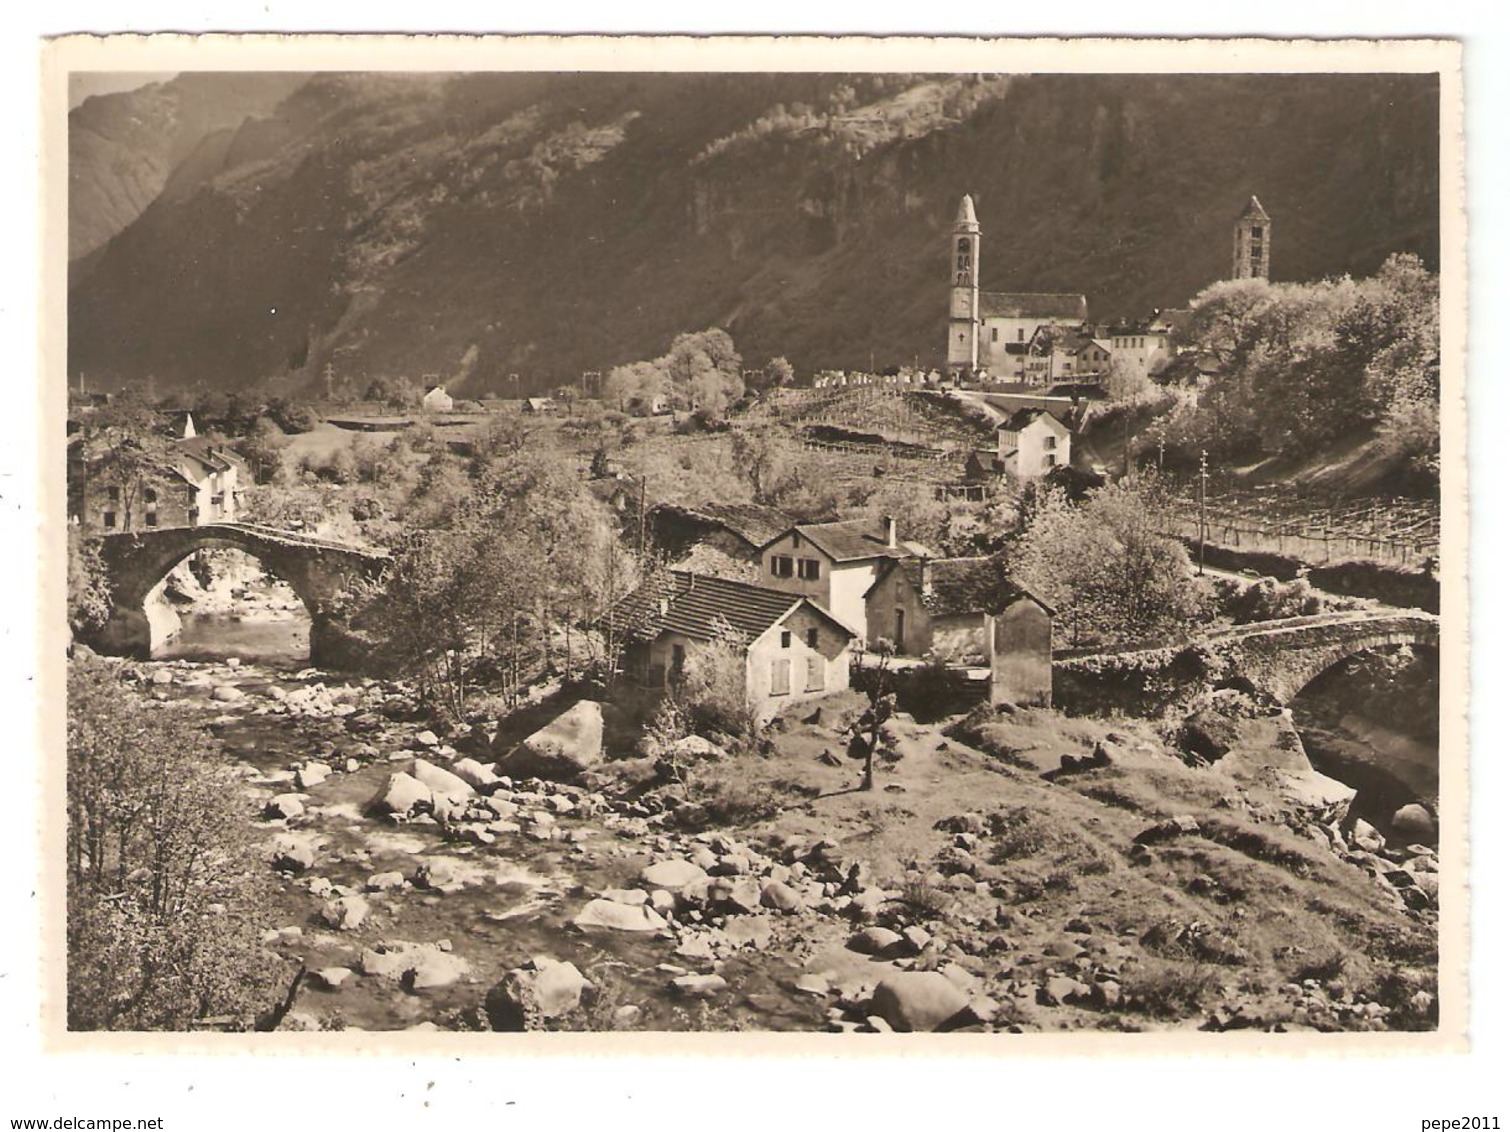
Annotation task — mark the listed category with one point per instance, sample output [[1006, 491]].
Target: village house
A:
[[1093, 357], [794, 649], [834, 564], [739, 530], [1142, 344], [436, 400], [198, 482], [1032, 442], [967, 612], [538, 405]]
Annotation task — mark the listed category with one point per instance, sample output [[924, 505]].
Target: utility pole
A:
[[1161, 454], [1201, 542]]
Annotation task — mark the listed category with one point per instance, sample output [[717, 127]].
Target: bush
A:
[[1166, 989], [721, 796], [161, 905]]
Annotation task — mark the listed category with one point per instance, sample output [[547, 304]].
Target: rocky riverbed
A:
[[992, 882]]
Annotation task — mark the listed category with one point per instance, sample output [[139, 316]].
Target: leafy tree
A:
[[713, 688], [1125, 380], [292, 416], [263, 447], [776, 374], [394, 392], [767, 459], [621, 385], [704, 370], [487, 594], [88, 587], [1108, 569], [122, 445], [163, 885]]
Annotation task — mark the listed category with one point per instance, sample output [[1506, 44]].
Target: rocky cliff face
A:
[[123, 148], [549, 224]]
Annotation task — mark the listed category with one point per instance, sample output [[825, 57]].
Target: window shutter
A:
[[816, 673], [781, 677]]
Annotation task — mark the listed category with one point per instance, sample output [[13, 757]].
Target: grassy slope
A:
[[1276, 907]]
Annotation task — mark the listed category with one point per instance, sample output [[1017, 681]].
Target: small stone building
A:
[[967, 612], [737, 529], [198, 481], [794, 649]]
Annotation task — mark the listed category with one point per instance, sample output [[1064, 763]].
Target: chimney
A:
[[890, 526], [665, 604], [925, 583]]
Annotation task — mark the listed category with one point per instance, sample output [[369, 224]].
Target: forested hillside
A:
[[476, 226]]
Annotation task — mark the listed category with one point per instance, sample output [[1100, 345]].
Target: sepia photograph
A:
[[672, 548]]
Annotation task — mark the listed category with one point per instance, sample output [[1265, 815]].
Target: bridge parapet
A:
[[1272, 658]]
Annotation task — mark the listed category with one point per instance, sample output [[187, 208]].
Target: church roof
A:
[[966, 213], [1254, 211], [1032, 304]]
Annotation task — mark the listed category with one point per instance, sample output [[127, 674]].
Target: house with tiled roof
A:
[[737, 529], [1031, 443], [794, 648], [834, 564], [967, 612]]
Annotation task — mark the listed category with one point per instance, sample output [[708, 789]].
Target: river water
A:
[[1374, 727], [272, 638]]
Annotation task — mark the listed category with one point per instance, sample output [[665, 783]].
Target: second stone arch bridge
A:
[[1274, 659]]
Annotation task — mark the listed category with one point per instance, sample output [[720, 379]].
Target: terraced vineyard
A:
[[910, 416], [1396, 531]]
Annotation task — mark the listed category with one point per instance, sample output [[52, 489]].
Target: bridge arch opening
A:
[[322, 574], [223, 601], [1370, 720]]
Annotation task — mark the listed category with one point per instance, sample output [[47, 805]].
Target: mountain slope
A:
[[123, 147], [546, 224]]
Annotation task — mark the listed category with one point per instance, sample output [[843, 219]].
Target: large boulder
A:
[[431, 967], [619, 917], [562, 749], [1413, 822], [918, 1001], [474, 773], [1207, 734], [345, 913], [524, 995], [442, 783], [672, 874], [404, 794]]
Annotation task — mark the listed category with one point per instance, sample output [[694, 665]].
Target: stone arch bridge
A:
[[319, 571], [1271, 658]]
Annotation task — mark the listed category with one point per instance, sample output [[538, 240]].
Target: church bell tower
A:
[[1250, 242], [964, 289]]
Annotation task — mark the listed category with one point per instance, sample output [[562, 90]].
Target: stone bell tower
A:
[[964, 289], [1250, 242]]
